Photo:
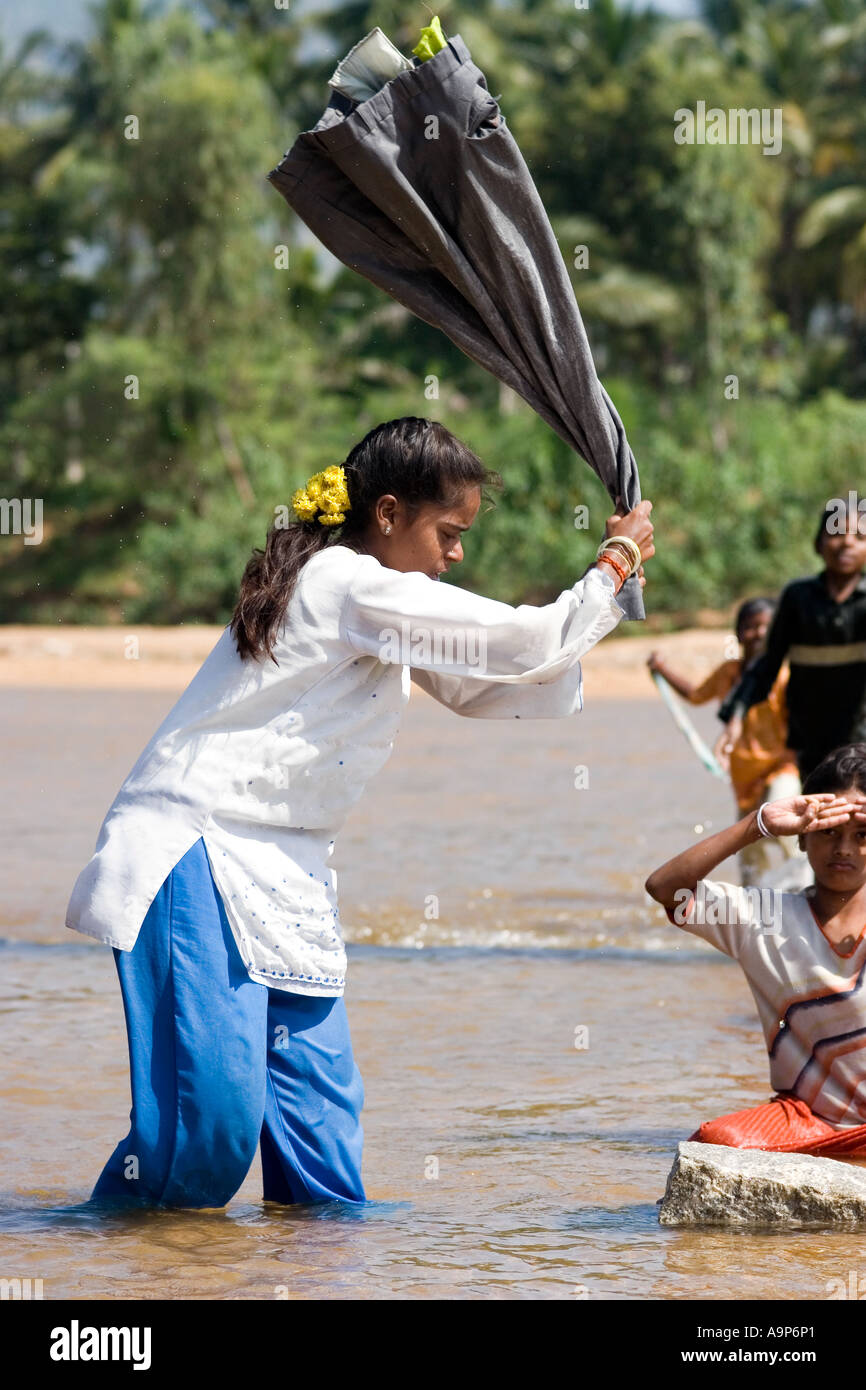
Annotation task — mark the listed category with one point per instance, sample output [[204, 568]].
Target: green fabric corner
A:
[[431, 40]]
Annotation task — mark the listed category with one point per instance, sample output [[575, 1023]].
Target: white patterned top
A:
[[265, 761], [810, 994]]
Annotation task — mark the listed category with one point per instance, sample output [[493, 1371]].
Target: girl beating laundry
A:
[[210, 876], [804, 956]]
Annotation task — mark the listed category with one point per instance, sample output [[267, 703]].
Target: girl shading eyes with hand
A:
[[803, 955]]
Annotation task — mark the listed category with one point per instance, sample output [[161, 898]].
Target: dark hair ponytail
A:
[[418, 461]]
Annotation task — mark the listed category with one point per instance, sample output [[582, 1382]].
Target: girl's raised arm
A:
[[791, 816], [417, 621], [684, 871]]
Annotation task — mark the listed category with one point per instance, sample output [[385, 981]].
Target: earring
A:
[[387, 530]]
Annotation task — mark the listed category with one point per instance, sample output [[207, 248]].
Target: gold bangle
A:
[[606, 549], [631, 548]]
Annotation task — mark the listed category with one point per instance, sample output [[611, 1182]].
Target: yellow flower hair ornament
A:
[[324, 497]]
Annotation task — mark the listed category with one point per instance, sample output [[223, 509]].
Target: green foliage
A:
[[177, 354]]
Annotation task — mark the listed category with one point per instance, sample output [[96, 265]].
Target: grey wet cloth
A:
[[423, 190]]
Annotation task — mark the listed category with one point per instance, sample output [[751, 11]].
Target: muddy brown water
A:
[[501, 1160]]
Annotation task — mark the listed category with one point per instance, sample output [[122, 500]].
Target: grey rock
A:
[[712, 1185]]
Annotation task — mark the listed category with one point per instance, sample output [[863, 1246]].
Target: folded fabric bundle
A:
[[422, 189]]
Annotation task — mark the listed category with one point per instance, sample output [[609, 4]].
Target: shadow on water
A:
[[646, 1140], [656, 1140], [45, 948], [640, 1216], [337, 1211], [105, 1215], [682, 955]]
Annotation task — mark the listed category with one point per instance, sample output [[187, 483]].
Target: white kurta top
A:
[[265, 761]]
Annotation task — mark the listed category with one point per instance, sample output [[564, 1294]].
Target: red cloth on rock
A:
[[783, 1125]]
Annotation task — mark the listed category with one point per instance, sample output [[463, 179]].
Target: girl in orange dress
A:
[[760, 764]]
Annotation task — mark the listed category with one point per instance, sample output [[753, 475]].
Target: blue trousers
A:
[[220, 1063]]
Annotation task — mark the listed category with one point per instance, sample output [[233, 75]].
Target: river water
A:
[[534, 1037]]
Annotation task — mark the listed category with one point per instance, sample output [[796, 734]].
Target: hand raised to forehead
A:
[[797, 815]]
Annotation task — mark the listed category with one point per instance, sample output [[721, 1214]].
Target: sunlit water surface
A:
[[534, 1038]]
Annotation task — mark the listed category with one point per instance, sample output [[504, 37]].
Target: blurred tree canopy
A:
[[177, 354]]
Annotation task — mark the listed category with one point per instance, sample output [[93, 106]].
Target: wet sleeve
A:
[[723, 914], [476, 698], [468, 644]]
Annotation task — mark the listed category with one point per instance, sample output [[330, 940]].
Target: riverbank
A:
[[166, 658]]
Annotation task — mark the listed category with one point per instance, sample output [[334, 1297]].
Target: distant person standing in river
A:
[[760, 763], [820, 627], [210, 876]]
